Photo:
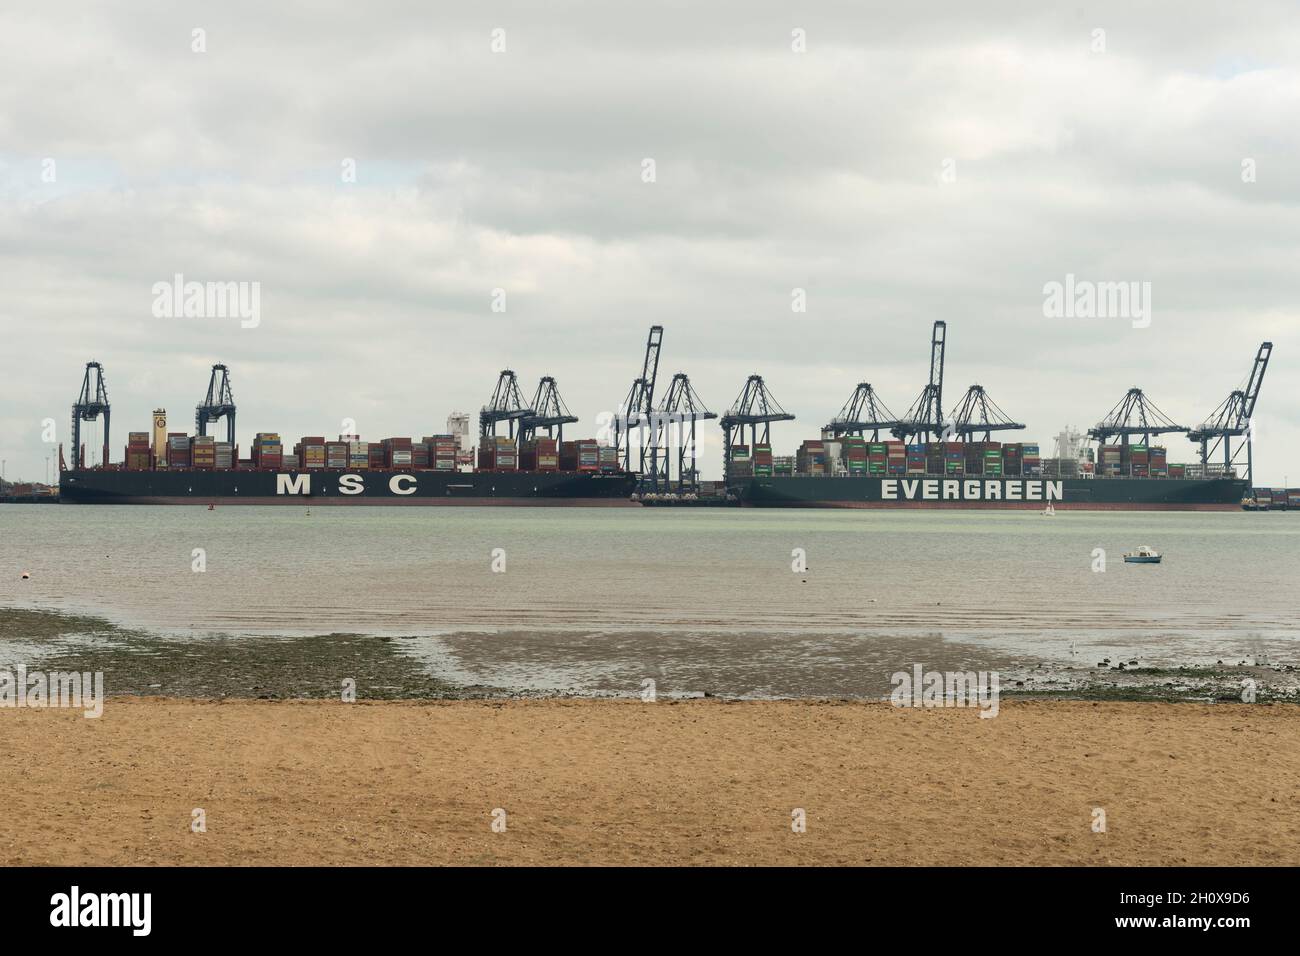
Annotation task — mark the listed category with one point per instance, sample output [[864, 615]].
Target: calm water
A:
[[592, 597]]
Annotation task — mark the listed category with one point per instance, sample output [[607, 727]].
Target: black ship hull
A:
[[332, 487], [922, 491]]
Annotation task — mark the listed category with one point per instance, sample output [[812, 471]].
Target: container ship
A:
[[868, 457], [854, 473], [396, 471], [526, 468], [1272, 499]]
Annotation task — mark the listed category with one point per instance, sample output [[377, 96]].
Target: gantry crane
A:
[[507, 405], [549, 412], [925, 417], [639, 402], [1134, 415], [1232, 419], [219, 403], [863, 412], [977, 413], [755, 409], [90, 404], [682, 408]]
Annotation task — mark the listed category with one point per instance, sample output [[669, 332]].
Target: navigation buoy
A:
[[212, 507], [26, 575]]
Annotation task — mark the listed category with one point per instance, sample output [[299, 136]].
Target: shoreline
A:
[[582, 666], [589, 782]]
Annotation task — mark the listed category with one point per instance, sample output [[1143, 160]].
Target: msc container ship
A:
[[337, 487], [176, 468]]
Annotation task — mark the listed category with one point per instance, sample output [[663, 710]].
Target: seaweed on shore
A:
[[137, 663]]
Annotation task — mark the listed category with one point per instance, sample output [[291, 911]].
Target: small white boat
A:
[[1143, 555]]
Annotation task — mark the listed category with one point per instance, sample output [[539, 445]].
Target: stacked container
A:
[[876, 459], [398, 453], [762, 461], [311, 452], [742, 465], [1139, 460], [954, 460], [178, 450], [539, 454], [336, 455], [916, 459], [268, 452], [853, 452], [1031, 465], [934, 457], [1177, 471], [376, 456], [1012, 457], [895, 458], [203, 452], [358, 455], [138, 456], [497, 453], [1110, 464], [1159, 462], [783, 466], [992, 460], [442, 452], [608, 459], [811, 458], [225, 458]]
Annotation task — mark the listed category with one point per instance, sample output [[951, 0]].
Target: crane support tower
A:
[[639, 402], [978, 414], [863, 412], [755, 409], [91, 403], [682, 408], [1232, 419], [549, 412], [1134, 415], [219, 403], [507, 405], [925, 417]]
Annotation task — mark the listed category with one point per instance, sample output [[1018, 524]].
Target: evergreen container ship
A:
[[923, 491], [853, 472]]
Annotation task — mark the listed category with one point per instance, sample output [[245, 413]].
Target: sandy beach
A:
[[694, 782]]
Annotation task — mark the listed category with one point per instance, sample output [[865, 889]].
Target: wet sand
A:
[[624, 782]]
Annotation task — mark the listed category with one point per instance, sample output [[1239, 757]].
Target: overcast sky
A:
[[917, 162]]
